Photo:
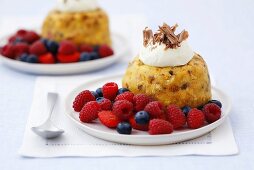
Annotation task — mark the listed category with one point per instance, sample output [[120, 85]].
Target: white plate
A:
[[139, 137], [119, 45]]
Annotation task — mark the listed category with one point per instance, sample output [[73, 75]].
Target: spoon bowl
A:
[[48, 130]]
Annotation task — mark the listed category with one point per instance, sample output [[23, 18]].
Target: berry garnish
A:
[[108, 119], [52, 46], [85, 48], [155, 109], [195, 119], [95, 94], [186, 110], [105, 104], [85, 56], [81, 99], [99, 92], [140, 101], [175, 116], [124, 128], [134, 125], [109, 90], [123, 109], [32, 58], [105, 51], [68, 58], [212, 112], [89, 112], [67, 48], [8, 51], [122, 90], [217, 102], [142, 117], [125, 96], [20, 48], [47, 58], [37, 48], [159, 126], [30, 37]]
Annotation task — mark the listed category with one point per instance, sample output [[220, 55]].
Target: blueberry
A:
[[85, 56], [142, 117], [23, 57], [124, 128], [32, 58], [52, 46], [122, 90], [217, 102], [94, 94], [94, 55], [99, 99], [99, 92], [186, 110]]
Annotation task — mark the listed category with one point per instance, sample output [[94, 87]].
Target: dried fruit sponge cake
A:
[[83, 27], [182, 85]]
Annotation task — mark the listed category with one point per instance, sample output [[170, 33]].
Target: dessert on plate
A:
[[168, 70], [80, 21]]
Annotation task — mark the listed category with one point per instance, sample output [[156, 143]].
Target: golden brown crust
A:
[[91, 27], [181, 85]]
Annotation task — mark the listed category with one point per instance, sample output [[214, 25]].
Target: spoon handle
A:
[[51, 100]]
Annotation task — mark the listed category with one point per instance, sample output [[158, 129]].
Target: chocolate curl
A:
[[147, 35]]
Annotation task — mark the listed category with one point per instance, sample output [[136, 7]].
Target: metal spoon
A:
[[48, 130]]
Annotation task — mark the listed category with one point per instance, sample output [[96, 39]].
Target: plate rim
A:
[[81, 125]]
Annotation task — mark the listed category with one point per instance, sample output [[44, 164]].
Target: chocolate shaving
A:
[[165, 35], [147, 35]]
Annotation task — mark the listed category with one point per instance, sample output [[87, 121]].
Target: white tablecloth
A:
[[222, 31]]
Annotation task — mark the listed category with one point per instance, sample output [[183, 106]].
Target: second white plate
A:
[[119, 45], [139, 137]]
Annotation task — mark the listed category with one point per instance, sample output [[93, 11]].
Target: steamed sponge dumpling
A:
[[182, 85]]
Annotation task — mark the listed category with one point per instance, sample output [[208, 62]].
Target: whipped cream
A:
[[157, 55], [76, 5]]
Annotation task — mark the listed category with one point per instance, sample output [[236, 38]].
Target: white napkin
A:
[[75, 142]]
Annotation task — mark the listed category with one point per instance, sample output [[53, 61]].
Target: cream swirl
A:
[[76, 5], [157, 55]]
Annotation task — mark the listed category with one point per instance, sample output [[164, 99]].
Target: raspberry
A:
[[38, 48], [67, 48], [140, 101], [30, 37], [81, 99], [105, 51], [125, 96], [68, 58], [47, 58], [85, 48], [108, 119], [134, 125], [212, 112], [21, 48], [105, 104], [110, 90], [21, 32], [155, 109], [89, 112], [159, 126], [8, 51], [176, 116], [123, 109], [195, 119]]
